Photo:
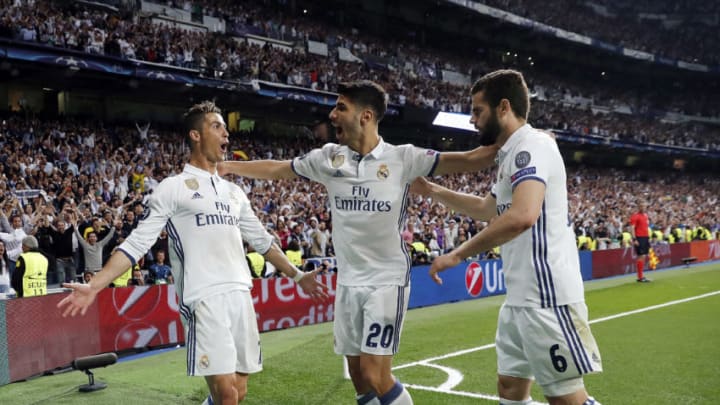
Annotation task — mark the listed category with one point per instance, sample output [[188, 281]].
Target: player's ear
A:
[[366, 116], [194, 135], [505, 106]]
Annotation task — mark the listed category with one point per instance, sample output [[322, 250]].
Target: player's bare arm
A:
[[474, 160], [526, 205], [258, 169], [83, 295], [482, 208], [307, 281]]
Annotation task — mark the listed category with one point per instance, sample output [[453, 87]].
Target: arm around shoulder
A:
[[259, 169], [474, 160]]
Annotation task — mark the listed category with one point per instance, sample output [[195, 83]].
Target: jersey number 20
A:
[[385, 335]]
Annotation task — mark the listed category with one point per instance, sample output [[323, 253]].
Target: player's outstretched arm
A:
[[482, 208], [474, 160], [258, 169], [83, 295], [307, 281]]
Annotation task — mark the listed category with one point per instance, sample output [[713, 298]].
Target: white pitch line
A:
[[607, 318], [445, 356], [667, 304], [455, 377], [458, 393]]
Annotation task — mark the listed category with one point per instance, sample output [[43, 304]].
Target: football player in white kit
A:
[[207, 219], [367, 181], [543, 331]]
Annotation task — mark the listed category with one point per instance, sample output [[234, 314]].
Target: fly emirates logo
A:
[[222, 217], [360, 201]]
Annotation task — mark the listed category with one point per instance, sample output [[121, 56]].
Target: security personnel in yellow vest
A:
[[30, 276], [294, 253], [626, 239], [671, 238], [256, 262], [677, 234], [420, 252]]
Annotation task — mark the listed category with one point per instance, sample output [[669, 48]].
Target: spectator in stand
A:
[[451, 235], [92, 249], [640, 229], [4, 270], [62, 248], [13, 239], [318, 238], [160, 273]]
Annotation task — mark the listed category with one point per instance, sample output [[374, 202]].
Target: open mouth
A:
[[224, 147]]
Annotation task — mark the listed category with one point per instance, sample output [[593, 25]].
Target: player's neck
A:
[[365, 143], [509, 130], [203, 163]]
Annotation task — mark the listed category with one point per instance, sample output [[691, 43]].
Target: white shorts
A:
[[369, 319], [549, 344], [222, 336]]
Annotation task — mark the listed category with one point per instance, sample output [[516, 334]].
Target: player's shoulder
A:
[[171, 181], [328, 150], [533, 137], [409, 148]]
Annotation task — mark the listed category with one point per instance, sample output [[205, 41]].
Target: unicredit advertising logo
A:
[[474, 279], [484, 278]]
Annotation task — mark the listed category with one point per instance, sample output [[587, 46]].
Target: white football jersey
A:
[[541, 265], [207, 219], [368, 200]]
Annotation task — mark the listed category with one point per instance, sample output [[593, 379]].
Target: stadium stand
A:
[[50, 161]]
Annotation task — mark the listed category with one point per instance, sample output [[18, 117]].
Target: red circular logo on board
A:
[[474, 279], [138, 335], [135, 303]]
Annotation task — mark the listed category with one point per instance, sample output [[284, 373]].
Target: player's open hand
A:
[[443, 263], [79, 299], [315, 289]]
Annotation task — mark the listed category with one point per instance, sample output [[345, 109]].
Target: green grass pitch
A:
[[666, 352]]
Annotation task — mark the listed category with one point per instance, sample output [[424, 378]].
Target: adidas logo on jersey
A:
[[196, 196], [338, 173]]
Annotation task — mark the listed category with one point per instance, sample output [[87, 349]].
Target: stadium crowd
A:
[[59, 177], [411, 74], [634, 25]]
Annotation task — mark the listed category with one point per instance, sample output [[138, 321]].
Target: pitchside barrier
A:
[[35, 339]]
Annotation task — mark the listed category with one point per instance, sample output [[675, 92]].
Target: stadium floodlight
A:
[[454, 120], [89, 362]]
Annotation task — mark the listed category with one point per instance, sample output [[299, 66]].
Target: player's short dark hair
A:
[[366, 93], [195, 115], [505, 84]]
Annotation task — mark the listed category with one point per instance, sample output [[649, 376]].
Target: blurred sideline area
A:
[[91, 94]]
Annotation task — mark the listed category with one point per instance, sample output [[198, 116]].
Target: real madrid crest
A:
[[383, 172], [192, 184], [338, 161], [204, 361]]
